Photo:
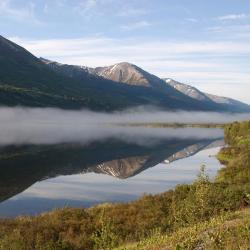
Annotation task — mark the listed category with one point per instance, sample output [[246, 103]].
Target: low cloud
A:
[[51, 126], [233, 17]]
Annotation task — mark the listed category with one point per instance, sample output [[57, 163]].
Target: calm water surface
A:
[[34, 179]]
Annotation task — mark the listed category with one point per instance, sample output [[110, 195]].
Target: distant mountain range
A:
[[36, 82], [202, 96]]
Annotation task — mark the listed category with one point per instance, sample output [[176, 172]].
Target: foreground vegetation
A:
[[203, 215], [228, 231]]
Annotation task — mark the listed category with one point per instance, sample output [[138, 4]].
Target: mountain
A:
[[29, 81], [228, 103], [187, 90], [26, 80], [152, 89], [131, 75]]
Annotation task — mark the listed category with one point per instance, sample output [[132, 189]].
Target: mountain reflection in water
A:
[[22, 166]]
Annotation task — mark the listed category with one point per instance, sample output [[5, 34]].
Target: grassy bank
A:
[[204, 215], [228, 231]]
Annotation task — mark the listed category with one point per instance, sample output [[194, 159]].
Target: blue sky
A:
[[202, 43]]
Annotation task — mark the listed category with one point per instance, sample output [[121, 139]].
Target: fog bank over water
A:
[[51, 126]]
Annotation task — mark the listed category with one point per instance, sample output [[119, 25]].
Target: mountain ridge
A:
[[199, 95], [132, 75], [26, 80]]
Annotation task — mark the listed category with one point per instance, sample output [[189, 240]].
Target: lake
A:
[[38, 177]]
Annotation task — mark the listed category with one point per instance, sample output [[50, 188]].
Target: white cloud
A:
[[231, 28], [92, 8], [192, 20], [86, 6], [137, 25], [233, 17], [232, 32], [25, 13], [46, 8], [60, 3], [132, 12], [130, 48]]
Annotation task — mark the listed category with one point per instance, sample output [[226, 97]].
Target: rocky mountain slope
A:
[[132, 75]]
